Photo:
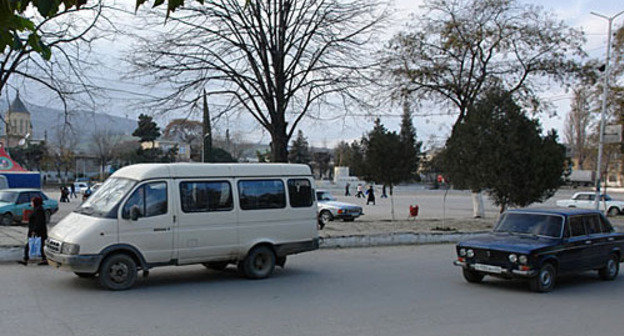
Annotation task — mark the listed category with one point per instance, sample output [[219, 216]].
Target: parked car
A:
[[330, 209], [586, 200], [81, 186], [13, 202], [151, 215], [539, 245]]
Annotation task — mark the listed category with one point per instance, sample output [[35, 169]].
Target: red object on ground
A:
[[26, 215], [414, 210]]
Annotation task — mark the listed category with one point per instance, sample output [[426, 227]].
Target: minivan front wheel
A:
[[118, 272], [259, 263]]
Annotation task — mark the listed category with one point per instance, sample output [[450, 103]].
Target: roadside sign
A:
[[613, 134]]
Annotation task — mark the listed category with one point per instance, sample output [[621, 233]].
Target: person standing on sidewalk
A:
[[371, 195], [36, 228], [347, 193], [72, 188], [383, 192]]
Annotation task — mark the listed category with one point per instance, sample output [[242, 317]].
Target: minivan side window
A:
[[300, 193], [261, 194], [151, 198], [202, 196]]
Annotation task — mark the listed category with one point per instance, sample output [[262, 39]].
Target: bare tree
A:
[[274, 59], [52, 54], [458, 49], [104, 144], [577, 125]]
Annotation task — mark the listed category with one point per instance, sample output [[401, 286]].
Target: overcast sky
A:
[[328, 132]]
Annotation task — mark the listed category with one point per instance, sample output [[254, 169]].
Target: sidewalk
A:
[[12, 240]]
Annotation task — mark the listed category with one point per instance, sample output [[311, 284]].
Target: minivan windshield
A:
[[106, 197], [531, 224]]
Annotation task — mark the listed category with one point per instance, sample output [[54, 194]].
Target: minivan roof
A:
[[145, 171]]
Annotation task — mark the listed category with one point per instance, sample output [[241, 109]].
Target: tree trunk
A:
[[477, 205], [279, 145]]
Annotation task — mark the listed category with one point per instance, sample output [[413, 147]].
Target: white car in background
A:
[[330, 209], [586, 200]]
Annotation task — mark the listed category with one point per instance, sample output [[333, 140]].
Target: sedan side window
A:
[[592, 224], [577, 228], [23, 198]]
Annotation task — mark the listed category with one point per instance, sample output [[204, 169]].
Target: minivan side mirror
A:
[[135, 212]]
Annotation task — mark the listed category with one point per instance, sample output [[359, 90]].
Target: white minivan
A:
[[150, 215]]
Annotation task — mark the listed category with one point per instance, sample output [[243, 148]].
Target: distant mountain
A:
[[83, 123]]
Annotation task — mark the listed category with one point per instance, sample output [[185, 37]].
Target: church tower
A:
[[18, 120]]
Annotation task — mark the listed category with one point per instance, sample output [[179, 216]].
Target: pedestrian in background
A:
[[371, 195], [72, 187], [64, 194], [347, 193], [360, 192], [36, 228], [383, 192]]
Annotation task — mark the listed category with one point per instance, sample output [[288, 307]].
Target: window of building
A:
[[200, 196], [21, 126], [261, 194], [150, 198], [300, 193]]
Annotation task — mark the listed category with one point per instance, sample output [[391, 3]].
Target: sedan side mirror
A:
[[135, 212]]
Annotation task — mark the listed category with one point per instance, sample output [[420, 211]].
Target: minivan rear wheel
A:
[[118, 272], [259, 263]]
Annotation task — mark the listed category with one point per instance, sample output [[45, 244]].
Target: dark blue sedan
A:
[[539, 245]]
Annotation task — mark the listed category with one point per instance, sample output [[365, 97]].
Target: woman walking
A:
[[371, 195], [36, 228]]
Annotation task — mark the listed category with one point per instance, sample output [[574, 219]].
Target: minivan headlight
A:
[[523, 259], [513, 258], [470, 253], [69, 248], [462, 252]]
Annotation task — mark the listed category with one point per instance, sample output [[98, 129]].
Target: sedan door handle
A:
[[588, 242], [161, 229]]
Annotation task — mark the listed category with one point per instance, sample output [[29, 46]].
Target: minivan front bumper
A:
[[82, 263]]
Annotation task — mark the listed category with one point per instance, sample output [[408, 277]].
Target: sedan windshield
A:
[[324, 196], [8, 196], [106, 197], [531, 224]]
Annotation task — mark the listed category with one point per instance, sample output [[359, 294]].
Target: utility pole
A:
[[605, 94]]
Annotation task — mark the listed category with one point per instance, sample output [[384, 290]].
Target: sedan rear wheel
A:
[[611, 269]]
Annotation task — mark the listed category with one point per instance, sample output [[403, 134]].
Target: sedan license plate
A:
[[488, 268]]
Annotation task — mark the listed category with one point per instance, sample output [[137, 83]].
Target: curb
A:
[[394, 239], [15, 253], [11, 253]]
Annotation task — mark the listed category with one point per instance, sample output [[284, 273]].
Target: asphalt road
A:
[[412, 290]]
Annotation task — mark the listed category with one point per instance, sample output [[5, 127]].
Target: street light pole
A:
[[605, 94]]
